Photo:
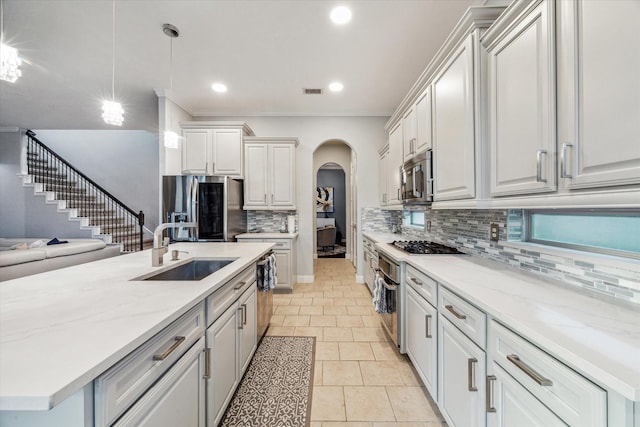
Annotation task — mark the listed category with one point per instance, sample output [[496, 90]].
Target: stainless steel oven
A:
[[416, 184], [391, 276]]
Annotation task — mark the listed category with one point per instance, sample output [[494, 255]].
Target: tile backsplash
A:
[[469, 231], [268, 221], [377, 220]]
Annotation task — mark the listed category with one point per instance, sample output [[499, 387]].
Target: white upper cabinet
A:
[[423, 122], [409, 133], [394, 162], [213, 148], [521, 91], [382, 174], [270, 173], [454, 126], [599, 93]]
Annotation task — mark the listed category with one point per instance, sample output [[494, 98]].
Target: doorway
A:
[[333, 199]]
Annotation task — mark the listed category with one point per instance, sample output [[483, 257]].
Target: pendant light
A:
[[9, 60], [171, 138], [112, 111]]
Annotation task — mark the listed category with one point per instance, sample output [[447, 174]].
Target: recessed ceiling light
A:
[[336, 87], [219, 87], [340, 15]]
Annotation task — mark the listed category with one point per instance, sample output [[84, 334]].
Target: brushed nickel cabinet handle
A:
[[178, 340], [207, 362], [563, 161], [241, 325], [416, 281], [239, 286], [539, 154], [265, 198], [271, 198], [471, 372], [515, 359], [427, 326], [454, 312], [244, 314], [489, 395]]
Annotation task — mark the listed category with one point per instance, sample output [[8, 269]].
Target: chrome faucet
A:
[[160, 245]]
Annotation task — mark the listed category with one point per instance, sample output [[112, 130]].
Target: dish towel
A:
[[267, 274], [383, 299]]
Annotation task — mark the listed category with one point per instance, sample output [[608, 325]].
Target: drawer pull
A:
[[427, 326], [471, 371], [207, 362], [489, 398], [416, 281], [545, 382], [454, 312], [239, 286], [167, 352]]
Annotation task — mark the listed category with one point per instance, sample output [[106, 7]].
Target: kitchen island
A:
[[62, 329]]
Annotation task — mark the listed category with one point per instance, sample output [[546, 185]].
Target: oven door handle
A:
[[390, 287]]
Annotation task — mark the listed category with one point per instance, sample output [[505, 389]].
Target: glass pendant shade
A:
[[9, 63], [112, 113], [171, 139]]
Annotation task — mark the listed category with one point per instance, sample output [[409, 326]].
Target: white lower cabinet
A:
[[176, 400], [231, 341], [510, 404], [422, 339], [461, 373]]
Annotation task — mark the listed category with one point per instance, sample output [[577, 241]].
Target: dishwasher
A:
[[264, 298]]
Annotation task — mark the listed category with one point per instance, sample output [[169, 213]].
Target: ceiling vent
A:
[[308, 91]]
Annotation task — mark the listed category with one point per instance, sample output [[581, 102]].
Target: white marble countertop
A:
[[598, 338], [60, 330], [267, 235]]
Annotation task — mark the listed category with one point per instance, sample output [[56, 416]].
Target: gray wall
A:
[[335, 178], [12, 208]]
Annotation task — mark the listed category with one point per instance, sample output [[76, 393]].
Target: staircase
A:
[[85, 201]]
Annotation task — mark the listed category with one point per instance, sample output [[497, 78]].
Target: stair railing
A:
[[85, 195]]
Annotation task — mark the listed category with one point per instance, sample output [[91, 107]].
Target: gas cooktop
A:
[[423, 247]]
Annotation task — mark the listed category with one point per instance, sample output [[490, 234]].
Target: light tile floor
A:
[[360, 379]]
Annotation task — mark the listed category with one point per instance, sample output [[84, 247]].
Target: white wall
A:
[[364, 134], [12, 208], [123, 162]]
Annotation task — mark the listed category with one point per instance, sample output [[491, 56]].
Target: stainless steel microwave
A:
[[416, 186]]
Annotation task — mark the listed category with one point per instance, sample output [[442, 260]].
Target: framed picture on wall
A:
[[324, 199]]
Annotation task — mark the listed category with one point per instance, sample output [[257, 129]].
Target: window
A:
[[605, 231], [413, 219]]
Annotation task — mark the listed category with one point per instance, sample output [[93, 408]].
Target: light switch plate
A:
[[494, 233]]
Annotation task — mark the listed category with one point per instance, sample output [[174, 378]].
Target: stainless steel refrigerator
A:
[[213, 202]]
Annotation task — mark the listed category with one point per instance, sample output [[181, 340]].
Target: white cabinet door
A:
[[453, 126], [409, 133], [196, 152], [422, 341], [283, 270], [510, 404], [461, 372], [382, 177], [599, 92], [522, 130], [394, 163], [282, 173], [247, 322], [423, 122], [222, 340], [227, 151], [177, 399], [256, 176]]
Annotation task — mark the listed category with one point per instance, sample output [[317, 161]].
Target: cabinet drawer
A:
[[221, 299], [423, 285], [572, 397], [368, 244], [119, 387], [469, 319], [280, 243]]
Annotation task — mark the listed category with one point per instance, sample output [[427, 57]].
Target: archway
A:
[[334, 155], [331, 211]]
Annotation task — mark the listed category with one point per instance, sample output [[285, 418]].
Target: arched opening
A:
[[334, 166]]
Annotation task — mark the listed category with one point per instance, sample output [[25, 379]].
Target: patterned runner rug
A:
[[276, 389]]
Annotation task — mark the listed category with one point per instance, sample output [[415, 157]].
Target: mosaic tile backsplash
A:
[[377, 220], [268, 221], [469, 231]]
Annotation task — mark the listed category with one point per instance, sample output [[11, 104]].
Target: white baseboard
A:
[[305, 279], [359, 278]]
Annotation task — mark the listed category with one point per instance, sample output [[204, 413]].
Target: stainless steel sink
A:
[[193, 270]]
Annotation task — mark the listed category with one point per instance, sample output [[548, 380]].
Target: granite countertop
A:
[[266, 235], [61, 329], [598, 338]]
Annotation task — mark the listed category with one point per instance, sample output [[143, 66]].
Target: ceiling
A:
[[266, 51]]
